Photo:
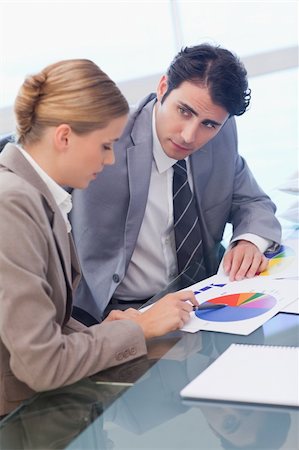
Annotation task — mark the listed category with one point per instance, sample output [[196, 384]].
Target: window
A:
[[246, 27], [127, 39], [132, 38]]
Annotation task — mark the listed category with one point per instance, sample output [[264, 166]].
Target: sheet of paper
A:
[[292, 307], [282, 263], [250, 373], [251, 303]]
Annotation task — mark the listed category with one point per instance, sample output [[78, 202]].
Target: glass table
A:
[[137, 404]]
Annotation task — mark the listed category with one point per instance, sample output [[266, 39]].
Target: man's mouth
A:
[[181, 147]]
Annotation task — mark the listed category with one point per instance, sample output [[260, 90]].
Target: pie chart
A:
[[279, 260], [241, 306]]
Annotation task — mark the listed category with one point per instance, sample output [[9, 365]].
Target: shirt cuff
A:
[[261, 243]]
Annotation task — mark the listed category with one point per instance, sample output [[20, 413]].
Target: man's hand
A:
[[244, 260]]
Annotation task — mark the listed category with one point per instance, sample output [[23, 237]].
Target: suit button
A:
[[133, 351], [119, 356], [126, 353], [115, 278]]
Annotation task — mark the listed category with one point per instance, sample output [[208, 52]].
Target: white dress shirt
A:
[[154, 264], [61, 196]]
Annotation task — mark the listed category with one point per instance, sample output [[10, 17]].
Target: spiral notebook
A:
[[251, 374]]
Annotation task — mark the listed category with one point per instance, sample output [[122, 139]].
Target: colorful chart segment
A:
[[241, 306], [279, 260]]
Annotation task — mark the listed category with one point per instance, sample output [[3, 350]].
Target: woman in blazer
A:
[[68, 117]]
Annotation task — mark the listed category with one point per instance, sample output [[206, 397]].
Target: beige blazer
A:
[[41, 346]]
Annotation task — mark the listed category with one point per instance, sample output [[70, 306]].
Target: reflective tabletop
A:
[[137, 405]]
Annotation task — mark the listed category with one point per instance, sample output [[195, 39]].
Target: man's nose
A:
[[189, 132]]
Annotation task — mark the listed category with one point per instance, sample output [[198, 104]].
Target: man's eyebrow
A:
[[211, 122], [188, 108], [205, 121]]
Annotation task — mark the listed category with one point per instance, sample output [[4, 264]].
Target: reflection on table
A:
[[137, 405]]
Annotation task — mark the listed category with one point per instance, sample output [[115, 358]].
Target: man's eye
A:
[[183, 111], [209, 125], [107, 147]]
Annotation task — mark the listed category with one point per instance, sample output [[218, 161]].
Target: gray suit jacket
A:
[[107, 216], [41, 346]]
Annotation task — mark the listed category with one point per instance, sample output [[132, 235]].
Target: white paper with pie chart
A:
[[284, 261], [249, 303]]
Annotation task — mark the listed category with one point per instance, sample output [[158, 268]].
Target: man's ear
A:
[[162, 87], [62, 137]]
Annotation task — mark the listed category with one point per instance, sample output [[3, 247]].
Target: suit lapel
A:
[[76, 270], [62, 242], [139, 162], [12, 158], [201, 163]]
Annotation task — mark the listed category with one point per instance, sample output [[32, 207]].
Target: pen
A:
[[207, 306]]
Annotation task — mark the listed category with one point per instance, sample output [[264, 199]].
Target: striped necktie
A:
[[187, 231]]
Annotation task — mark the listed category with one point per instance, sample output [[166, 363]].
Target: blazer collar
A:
[[201, 163], [139, 163], [12, 158], [141, 130]]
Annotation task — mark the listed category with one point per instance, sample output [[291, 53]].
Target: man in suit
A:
[[124, 224]]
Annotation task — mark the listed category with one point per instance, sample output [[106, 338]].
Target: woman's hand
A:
[[167, 314]]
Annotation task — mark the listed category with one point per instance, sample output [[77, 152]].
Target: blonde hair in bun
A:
[[76, 92]]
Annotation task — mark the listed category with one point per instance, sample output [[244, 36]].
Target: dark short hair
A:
[[218, 69]]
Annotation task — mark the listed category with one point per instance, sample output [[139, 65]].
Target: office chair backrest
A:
[[4, 139]]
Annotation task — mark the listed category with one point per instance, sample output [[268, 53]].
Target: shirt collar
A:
[[61, 197]]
